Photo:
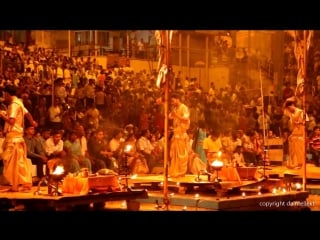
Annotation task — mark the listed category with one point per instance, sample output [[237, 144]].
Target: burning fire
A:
[[128, 148], [134, 176], [217, 163], [58, 171]]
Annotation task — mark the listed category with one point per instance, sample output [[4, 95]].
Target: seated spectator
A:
[[35, 151], [135, 161], [73, 144], [314, 145], [145, 148], [237, 158], [98, 151], [251, 152], [57, 154]]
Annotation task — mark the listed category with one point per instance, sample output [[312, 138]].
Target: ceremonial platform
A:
[[270, 188]]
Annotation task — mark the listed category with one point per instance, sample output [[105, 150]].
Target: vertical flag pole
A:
[[69, 43], [52, 86], [263, 123], [304, 179], [166, 123]]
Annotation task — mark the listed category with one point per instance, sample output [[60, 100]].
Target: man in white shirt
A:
[[145, 147]]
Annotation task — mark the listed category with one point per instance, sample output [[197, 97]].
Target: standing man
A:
[[17, 167], [180, 140], [297, 136]]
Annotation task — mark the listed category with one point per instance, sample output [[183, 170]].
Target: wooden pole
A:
[[69, 43], [166, 201], [262, 104], [263, 123], [304, 165], [52, 86], [128, 44]]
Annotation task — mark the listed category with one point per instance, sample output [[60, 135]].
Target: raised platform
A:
[[312, 172], [31, 201], [294, 200], [259, 192], [191, 191], [154, 181]]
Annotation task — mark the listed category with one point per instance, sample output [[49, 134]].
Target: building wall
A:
[[43, 38]]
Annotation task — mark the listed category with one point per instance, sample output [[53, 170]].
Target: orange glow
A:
[[134, 176], [58, 171], [217, 163], [128, 148]]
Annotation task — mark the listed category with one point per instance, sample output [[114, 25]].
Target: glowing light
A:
[[274, 191], [217, 163], [243, 194], [197, 196], [127, 148], [58, 171]]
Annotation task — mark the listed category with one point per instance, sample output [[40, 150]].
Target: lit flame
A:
[[243, 194], [58, 171], [134, 176], [217, 163], [298, 186], [219, 154], [127, 148], [197, 196], [274, 190]]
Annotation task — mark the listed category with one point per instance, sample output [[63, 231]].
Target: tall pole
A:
[[1, 66], [69, 42], [96, 42], [128, 44], [262, 105], [166, 121], [304, 179], [263, 124]]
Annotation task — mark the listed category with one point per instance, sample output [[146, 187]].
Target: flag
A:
[[161, 75], [163, 39], [302, 43]]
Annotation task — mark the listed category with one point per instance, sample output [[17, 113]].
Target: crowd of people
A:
[[86, 117]]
